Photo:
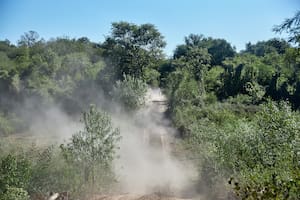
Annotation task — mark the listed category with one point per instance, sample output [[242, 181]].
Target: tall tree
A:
[[219, 49], [196, 61], [29, 39], [134, 50]]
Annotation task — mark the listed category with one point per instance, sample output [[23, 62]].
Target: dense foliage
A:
[[15, 175], [232, 126], [92, 150], [237, 112], [130, 93]]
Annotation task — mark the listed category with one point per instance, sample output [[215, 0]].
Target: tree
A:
[[196, 61], [130, 92], [93, 149], [29, 39], [292, 27], [262, 48], [213, 80], [183, 89], [135, 50], [219, 49], [247, 74]]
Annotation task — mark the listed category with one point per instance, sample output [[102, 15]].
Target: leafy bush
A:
[[130, 92], [268, 158], [51, 172], [260, 154], [92, 150], [14, 193], [14, 178]]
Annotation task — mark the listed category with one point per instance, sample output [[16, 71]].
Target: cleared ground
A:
[[135, 197]]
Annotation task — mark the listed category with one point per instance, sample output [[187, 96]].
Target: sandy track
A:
[[135, 197]]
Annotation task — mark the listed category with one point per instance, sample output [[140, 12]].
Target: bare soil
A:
[[135, 197]]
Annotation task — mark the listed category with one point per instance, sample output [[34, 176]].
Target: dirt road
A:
[[135, 197]]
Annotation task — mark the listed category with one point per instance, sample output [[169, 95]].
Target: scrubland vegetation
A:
[[236, 113]]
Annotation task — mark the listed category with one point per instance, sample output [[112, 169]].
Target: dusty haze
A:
[[146, 164]]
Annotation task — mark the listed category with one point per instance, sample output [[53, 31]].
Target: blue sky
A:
[[237, 21]]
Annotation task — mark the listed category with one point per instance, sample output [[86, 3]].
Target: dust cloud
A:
[[146, 163]]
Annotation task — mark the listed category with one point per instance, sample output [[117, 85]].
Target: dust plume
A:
[[146, 163]]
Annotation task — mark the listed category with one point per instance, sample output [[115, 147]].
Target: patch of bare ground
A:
[[153, 196]]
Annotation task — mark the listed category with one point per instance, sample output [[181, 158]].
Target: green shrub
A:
[[14, 178], [130, 92], [50, 172], [14, 193], [260, 154], [14, 172], [266, 158]]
